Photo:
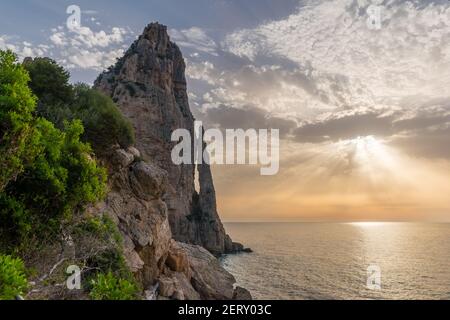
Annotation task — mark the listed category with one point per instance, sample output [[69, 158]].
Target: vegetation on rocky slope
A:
[[49, 175]]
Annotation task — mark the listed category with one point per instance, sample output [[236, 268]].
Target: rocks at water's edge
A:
[[238, 248], [241, 294], [171, 232]]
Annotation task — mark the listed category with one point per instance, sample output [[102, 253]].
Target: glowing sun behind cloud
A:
[[361, 179], [363, 116]]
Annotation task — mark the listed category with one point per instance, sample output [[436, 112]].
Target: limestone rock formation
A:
[[170, 230], [209, 279], [148, 84], [166, 268], [135, 204]]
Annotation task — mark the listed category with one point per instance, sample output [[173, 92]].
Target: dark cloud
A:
[[421, 135], [346, 127], [426, 143], [227, 117], [420, 122]]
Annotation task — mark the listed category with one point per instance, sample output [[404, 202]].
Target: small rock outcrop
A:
[[241, 294], [209, 279], [149, 86]]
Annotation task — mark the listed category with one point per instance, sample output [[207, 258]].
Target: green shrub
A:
[[62, 179], [17, 104], [13, 280], [103, 227], [60, 101], [15, 222], [111, 257], [50, 83], [108, 287], [104, 125]]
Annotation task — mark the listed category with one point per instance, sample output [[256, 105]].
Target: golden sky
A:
[[362, 179], [364, 114]]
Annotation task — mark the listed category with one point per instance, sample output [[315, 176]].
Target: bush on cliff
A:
[[62, 179], [13, 281], [17, 104], [108, 276], [104, 124], [50, 83], [46, 173], [48, 177], [59, 101], [109, 287]]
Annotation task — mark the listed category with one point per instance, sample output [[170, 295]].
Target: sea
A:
[[316, 261]]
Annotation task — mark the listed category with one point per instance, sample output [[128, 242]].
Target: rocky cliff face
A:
[[166, 268], [148, 84], [166, 224]]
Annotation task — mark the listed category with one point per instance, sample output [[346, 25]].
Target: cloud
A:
[[58, 38], [22, 48], [5, 43], [428, 143], [345, 127], [95, 60], [84, 48], [202, 71], [79, 48], [195, 39], [422, 132], [227, 117], [323, 68], [409, 52], [290, 93]]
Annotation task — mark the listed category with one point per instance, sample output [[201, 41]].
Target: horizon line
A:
[[334, 221]]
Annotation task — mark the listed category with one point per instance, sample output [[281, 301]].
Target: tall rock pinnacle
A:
[[148, 85]]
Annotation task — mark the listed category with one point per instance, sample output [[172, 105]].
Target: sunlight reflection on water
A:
[[330, 261]]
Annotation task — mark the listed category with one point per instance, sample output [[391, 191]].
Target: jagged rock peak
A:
[[152, 60], [149, 86]]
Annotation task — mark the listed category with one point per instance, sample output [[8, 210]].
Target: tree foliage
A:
[[62, 179], [60, 175], [49, 173], [13, 281], [17, 104], [104, 125], [50, 81]]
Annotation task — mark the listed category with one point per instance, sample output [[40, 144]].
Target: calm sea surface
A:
[[330, 260]]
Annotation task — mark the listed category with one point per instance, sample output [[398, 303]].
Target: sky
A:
[[363, 112]]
